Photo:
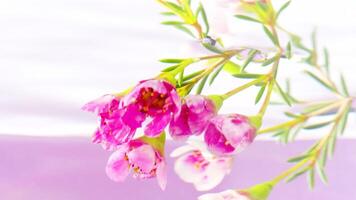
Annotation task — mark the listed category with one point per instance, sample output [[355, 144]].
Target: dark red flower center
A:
[[151, 101]]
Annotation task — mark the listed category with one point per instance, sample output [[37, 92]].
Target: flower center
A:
[[198, 161], [152, 102]]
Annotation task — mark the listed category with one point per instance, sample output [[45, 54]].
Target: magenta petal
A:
[[197, 166], [133, 117], [96, 138], [194, 117], [229, 133], [238, 131], [142, 157], [179, 128], [156, 85], [216, 141], [202, 110], [161, 174], [117, 167], [157, 125], [101, 104], [176, 102]]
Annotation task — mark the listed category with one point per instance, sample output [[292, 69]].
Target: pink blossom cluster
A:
[[155, 105]]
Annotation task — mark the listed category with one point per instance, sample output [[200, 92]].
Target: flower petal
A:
[[101, 104], [179, 128], [188, 169], [143, 157], [216, 141], [117, 167], [133, 117], [225, 195], [157, 125], [181, 150], [161, 173], [213, 175], [202, 110]]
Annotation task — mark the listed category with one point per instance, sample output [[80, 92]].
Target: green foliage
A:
[[319, 80], [244, 17], [272, 37], [283, 7], [284, 96], [232, 68], [194, 21], [260, 93], [202, 84]]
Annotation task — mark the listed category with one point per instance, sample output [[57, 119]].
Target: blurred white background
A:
[[55, 55]]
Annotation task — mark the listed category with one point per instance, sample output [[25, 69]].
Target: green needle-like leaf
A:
[[215, 74], [180, 79], [279, 133], [259, 94], [298, 158], [212, 48], [171, 68], [283, 94], [320, 171], [292, 115], [326, 59], [175, 8], [270, 35], [205, 18], [332, 143], [172, 23], [246, 75], [192, 75], [250, 57], [184, 29], [344, 87], [269, 61], [171, 60], [201, 85], [167, 13], [343, 120], [311, 179], [315, 77], [315, 107], [283, 7], [318, 125], [294, 176], [324, 155], [244, 17], [289, 51]]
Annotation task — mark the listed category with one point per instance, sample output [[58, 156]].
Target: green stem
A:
[[271, 82], [303, 118], [267, 100], [290, 123], [288, 172], [242, 87], [319, 146]]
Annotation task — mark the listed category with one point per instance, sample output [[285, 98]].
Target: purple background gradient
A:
[[72, 168]]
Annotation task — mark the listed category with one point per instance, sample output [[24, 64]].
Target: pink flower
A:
[[196, 165], [112, 131], [143, 159], [229, 134], [195, 114], [156, 100], [256, 192], [225, 195]]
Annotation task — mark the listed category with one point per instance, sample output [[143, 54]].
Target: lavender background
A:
[[57, 55], [35, 168]]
